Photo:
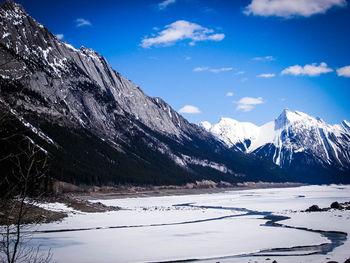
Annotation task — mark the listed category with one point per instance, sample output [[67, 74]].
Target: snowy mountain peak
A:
[[233, 132], [282, 120], [287, 118], [293, 135], [205, 125]]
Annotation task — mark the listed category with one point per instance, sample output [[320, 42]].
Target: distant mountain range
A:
[[97, 126], [306, 147]]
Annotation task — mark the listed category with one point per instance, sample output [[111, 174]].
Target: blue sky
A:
[[247, 60]]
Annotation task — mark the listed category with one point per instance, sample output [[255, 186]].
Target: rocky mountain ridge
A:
[[100, 127]]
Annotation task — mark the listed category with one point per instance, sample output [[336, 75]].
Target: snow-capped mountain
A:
[[295, 141], [238, 135], [99, 126]]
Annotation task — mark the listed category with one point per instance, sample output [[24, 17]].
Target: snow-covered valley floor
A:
[[220, 227]]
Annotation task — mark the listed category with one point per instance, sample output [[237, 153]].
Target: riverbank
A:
[[77, 199], [44, 210], [206, 187]]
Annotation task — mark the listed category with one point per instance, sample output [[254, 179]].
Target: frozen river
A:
[[236, 226]]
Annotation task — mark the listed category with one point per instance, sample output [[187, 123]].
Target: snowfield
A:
[[220, 227]]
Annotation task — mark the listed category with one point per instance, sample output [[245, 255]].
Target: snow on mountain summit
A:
[[205, 125], [289, 117], [233, 132], [291, 134]]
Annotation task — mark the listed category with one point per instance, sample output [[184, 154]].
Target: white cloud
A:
[[240, 72], [291, 8], [82, 22], [244, 79], [283, 99], [251, 100], [165, 3], [60, 36], [244, 107], [188, 58], [344, 71], [181, 30], [198, 69], [229, 94], [310, 70], [217, 70], [248, 103], [215, 37], [266, 75], [214, 70], [189, 109], [267, 58]]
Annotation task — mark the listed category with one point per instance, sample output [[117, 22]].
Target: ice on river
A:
[[153, 229]]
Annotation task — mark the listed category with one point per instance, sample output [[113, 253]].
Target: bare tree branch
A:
[[23, 169]]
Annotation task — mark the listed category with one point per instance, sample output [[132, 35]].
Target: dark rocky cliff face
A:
[[99, 127]]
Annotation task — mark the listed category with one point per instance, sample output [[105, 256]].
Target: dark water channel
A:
[[336, 238]]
